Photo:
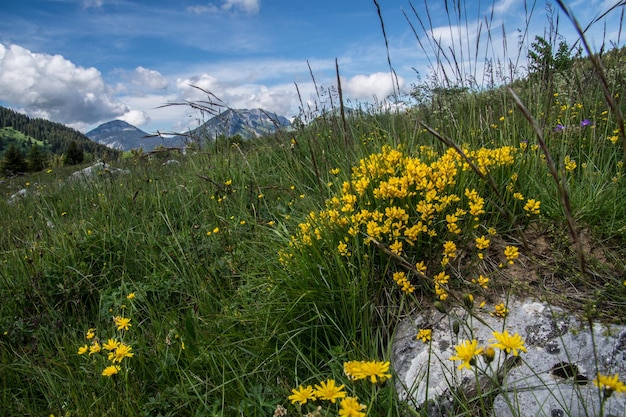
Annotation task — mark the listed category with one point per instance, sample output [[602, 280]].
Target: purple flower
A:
[[585, 122], [559, 127]]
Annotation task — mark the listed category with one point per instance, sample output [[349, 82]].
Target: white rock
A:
[[556, 341]]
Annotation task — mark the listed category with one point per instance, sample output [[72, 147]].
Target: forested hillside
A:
[[55, 138]]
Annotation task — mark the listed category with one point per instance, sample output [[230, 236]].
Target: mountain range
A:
[[247, 123]]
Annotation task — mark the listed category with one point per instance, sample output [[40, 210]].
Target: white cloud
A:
[[52, 87], [281, 99], [151, 79], [246, 6], [504, 6], [365, 87], [92, 3], [135, 117]]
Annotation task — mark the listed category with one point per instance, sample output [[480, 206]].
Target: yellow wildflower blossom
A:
[[350, 407], [508, 343], [328, 390], [109, 371], [466, 353], [302, 395]]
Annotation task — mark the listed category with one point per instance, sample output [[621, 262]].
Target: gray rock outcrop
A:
[[553, 378]]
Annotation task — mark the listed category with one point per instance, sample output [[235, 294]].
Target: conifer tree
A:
[[36, 158], [13, 161], [74, 154]]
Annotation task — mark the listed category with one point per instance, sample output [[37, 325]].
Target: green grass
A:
[[231, 312]]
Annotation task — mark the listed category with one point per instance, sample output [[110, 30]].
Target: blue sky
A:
[[86, 62]]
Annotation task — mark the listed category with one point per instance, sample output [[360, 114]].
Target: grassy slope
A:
[[219, 324]]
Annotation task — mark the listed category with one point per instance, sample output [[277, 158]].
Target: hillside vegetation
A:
[[231, 283]]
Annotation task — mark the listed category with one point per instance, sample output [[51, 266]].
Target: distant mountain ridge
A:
[[247, 123], [118, 134]]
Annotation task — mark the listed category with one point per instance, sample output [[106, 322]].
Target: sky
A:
[[87, 62]]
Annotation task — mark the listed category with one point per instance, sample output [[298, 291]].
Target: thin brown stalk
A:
[[342, 112], [560, 183]]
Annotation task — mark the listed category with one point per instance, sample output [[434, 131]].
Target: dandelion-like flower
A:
[[94, 348], [425, 335], [367, 369], [302, 395], [466, 352], [508, 343], [122, 323], [90, 333], [130, 296], [609, 384], [111, 370], [350, 407], [122, 351], [327, 390], [83, 349], [111, 344]]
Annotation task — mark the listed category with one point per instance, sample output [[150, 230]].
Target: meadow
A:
[[267, 277]]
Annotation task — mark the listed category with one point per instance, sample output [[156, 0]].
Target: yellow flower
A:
[[130, 296], [342, 248], [350, 407], [482, 280], [511, 253], [482, 243], [122, 322], [122, 351], [301, 395], [327, 390], [94, 348], [609, 384], [532, 206], [425, 335], [83, 349], [500, 310], [90, 333], [356, 370], [508, 343], [111, 370], [111, 344], [449, 249], [335, 171], [466, 352], [569, 163], [228, 182]]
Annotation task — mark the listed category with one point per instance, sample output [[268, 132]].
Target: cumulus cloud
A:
[[149, 79], [52, 87], [135, 117], [365, 87]]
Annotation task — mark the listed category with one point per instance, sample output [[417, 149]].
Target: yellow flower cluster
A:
[[401, 279], [349, 406], [117, 349], [408, 205]]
